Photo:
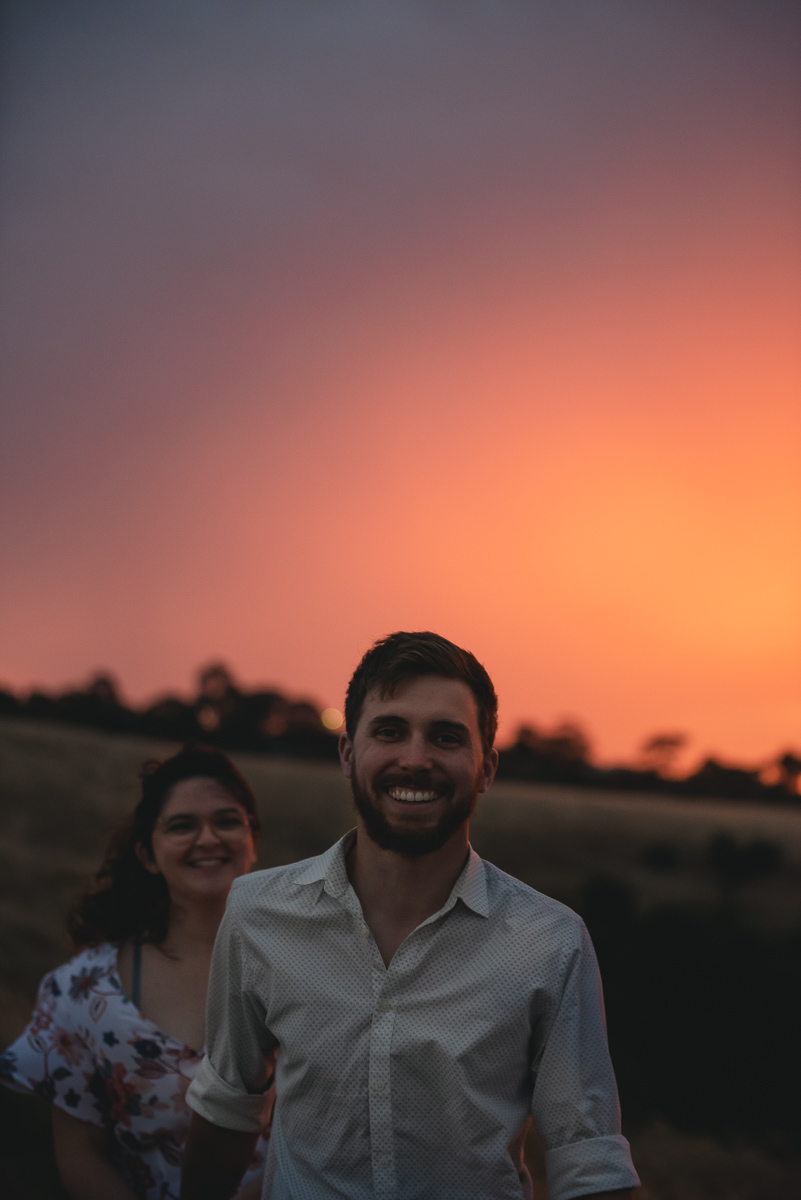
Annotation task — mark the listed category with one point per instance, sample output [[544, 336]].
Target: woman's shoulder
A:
[[80, 987], [71, 997], [81, 975]]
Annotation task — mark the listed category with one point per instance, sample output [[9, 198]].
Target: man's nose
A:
[[416, 752]]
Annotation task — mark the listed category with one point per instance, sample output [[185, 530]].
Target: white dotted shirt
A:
[[408, 1082]]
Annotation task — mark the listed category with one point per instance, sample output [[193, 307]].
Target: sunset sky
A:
[[324, 319]]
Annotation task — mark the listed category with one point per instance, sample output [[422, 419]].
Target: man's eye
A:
[[388, 733], [230, 822], [180, 826]]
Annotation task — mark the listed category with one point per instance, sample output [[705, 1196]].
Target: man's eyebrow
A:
[[387, 718], [456, 726], [441, 724]]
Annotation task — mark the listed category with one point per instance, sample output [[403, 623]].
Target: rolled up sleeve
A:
[[232, 1083], [574, 1102]]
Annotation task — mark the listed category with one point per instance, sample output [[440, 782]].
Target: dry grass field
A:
[[63, 790]]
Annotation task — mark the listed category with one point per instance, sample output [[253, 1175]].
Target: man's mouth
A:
[[413, 795], [208, 862]]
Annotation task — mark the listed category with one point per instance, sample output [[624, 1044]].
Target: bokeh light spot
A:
[[332, 718]]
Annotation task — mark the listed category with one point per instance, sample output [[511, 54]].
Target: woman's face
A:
[[202, 841]]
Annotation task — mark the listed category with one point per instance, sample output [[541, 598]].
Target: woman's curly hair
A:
[[126, 902]]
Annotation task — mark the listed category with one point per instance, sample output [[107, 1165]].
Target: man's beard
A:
[[409, 843]]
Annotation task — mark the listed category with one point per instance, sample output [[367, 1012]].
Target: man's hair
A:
[[402, 656]]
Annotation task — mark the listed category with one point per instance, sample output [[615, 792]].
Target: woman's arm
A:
[[215, 1159], [84, 1163]]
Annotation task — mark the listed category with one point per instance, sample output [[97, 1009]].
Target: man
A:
[[421, 1001]]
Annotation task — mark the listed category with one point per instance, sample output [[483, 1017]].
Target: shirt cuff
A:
[[601, 1164], [215, 1100]]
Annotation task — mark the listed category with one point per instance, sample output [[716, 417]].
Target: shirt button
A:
[[384, 1006], [364, 931], [380, 1085], [383, 1164]]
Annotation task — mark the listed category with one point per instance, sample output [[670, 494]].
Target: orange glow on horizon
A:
[[517, 365]]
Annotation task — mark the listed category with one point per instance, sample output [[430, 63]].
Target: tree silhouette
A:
[[660, 751]]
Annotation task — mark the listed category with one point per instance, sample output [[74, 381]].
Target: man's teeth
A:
[[410, 796], [206, 862]]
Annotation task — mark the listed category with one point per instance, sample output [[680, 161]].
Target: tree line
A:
[[224, 713]]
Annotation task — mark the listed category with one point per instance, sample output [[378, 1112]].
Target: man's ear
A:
[[146, 858], [490, 766], [346, 755]]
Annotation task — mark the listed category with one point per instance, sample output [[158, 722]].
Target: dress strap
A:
[[136, 974]]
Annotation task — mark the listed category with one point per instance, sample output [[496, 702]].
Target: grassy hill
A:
[[63, 790]]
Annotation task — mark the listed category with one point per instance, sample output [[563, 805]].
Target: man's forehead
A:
[[424, 695]]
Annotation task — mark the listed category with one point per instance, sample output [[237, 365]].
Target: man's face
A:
[[416, 764]]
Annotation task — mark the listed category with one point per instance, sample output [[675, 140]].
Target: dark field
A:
[[693, 906]]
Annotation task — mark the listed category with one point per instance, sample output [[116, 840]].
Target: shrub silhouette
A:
[[661, 856], [734, 865], [702, 1014]]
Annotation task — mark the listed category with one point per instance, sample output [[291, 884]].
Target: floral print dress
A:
[[89, 1050]]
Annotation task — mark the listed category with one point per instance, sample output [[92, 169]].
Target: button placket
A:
[[386, 982], [382, 1142]]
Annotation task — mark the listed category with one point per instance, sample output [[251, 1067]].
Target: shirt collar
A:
[[330, 867], [470, 887]]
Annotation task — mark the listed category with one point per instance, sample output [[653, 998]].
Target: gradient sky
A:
[[324, 319]]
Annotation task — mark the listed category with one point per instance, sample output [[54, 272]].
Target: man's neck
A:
[[397, 893]]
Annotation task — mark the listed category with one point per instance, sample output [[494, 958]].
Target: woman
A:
[[117, 1032]]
